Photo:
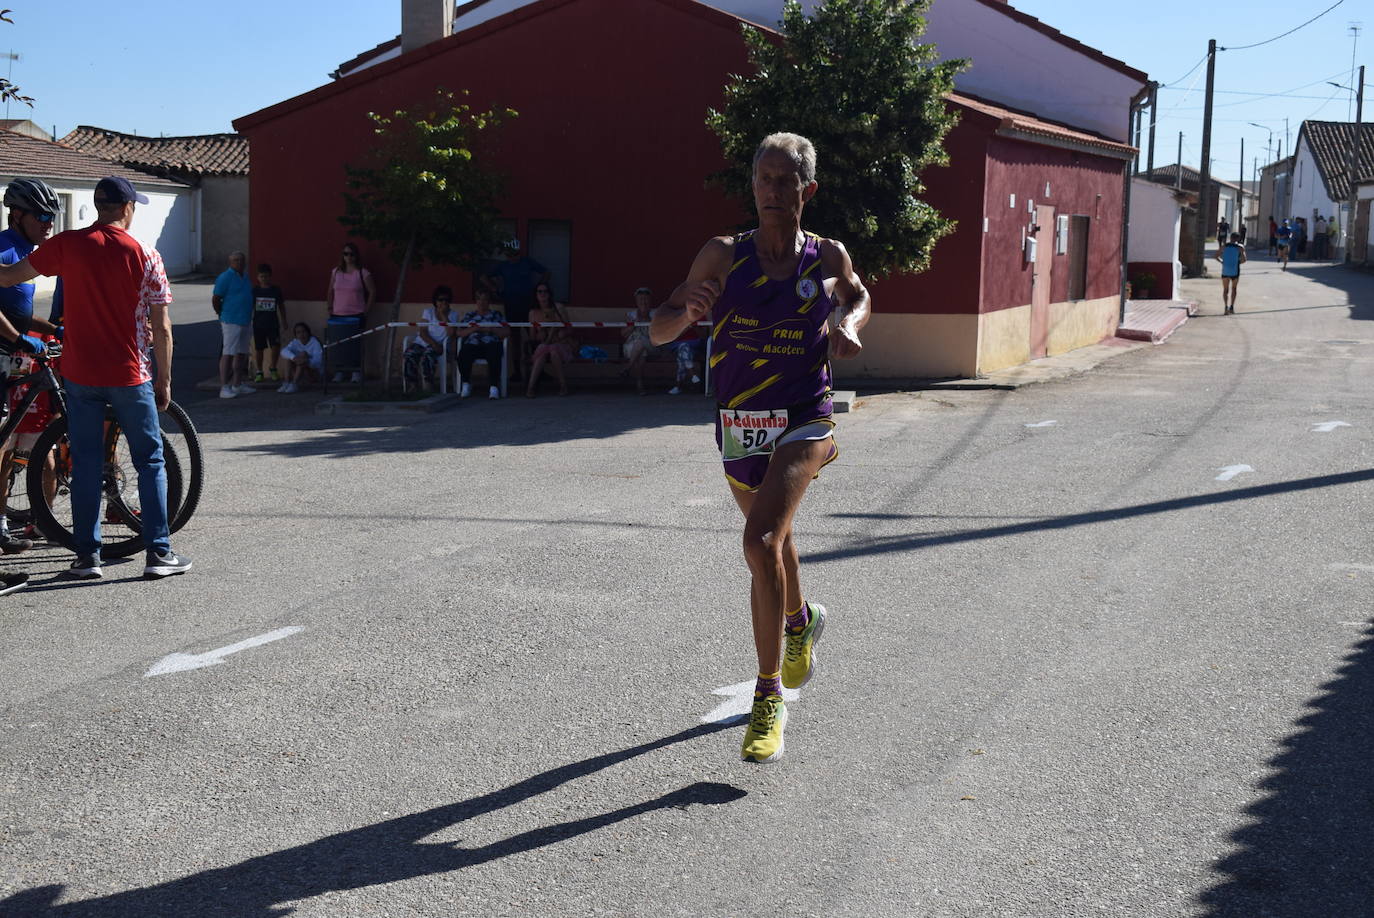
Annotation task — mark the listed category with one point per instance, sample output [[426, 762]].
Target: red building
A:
[[608, 157]]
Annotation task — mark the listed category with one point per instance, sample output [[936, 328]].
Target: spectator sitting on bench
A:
[[304, 357], [422, 354], [482, 344], [638, 347], [555, 345], [689, 352]]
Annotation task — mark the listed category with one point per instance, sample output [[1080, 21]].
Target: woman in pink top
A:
[[350, 296]]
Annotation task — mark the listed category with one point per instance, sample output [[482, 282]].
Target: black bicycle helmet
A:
[[32, 195]]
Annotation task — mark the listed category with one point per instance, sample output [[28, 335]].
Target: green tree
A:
[[8, 91], [853, 78], [424, 193]]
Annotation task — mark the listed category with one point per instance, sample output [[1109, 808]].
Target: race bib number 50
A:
[[747, 433]]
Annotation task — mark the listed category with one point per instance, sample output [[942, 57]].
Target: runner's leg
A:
[[768, 547]]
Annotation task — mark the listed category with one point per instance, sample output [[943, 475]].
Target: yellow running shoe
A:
[[763, 738], [799, 654]]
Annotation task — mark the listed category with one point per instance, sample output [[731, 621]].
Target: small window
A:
[[64, 220], [1078, 257]]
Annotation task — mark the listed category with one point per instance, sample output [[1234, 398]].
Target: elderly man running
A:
[[782, 302]]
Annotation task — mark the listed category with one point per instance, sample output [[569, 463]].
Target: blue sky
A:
[[1284, 79], [197, 66]]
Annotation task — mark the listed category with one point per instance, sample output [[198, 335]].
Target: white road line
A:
[[739, 700], [1328, 426], [1231, 471], [1043, 424], [180, 662]]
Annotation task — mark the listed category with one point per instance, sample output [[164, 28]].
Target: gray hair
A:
[[800, 150]]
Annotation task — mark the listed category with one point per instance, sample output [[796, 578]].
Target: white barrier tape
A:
[[526, 324]]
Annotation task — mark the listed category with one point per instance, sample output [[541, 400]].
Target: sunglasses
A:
[[43, 218]]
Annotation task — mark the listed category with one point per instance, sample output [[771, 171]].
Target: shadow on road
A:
[[915, 541], [387, 852], [1309, 851]]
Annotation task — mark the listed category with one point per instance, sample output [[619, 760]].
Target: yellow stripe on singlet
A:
[[737, 264], [763, 279], [717, 357], [758, 363], [814, 265], [750, 393], [806, 307], [715, 332]]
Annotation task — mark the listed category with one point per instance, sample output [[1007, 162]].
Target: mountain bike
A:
[[47, 469]]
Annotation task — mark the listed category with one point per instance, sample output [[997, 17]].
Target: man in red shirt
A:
[[116, 297]]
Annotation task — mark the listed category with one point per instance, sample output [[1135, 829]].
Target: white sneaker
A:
[[467, 390], [357, 376], [695, 379], [244, 389], [676, 390], [338, 377], [227, 392], [493, 392], [284, 387]]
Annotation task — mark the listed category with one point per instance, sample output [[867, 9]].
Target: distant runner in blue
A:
[[1231, 256]]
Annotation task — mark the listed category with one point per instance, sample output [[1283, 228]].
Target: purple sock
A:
[[797, 620], [768, 684]]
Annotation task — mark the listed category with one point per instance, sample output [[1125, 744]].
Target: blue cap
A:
[[116, 190]]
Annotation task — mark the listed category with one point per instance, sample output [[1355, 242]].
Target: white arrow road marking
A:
[[1367, 568], [739, 700], [180, 662], [1043, 424], [1231, 471], [1328, 426]]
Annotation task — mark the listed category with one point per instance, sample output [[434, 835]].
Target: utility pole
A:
[[1240, 195], [1354, 160], [1178, 165], [1154, 117], [1205, 166]]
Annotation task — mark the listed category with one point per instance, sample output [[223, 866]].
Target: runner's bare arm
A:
[[850, 297], [160, 318], [692, 300]]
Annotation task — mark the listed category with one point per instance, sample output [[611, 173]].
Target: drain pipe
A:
[[1127, 169]]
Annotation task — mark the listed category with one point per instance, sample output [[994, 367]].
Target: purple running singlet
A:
[[770, 361]]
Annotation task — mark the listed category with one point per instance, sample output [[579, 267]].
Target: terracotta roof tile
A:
[[1165, 175], [199, 154], [1329, 142], [44, 159], [1021, 122]]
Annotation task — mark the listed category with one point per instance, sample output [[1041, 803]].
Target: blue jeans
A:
[[136, 410]]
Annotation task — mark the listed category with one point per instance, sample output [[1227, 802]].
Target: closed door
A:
[[1040, 282]]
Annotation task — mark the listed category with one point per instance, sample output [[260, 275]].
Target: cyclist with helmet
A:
[[33, 209]]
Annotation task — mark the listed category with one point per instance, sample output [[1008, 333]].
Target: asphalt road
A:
[[1069, 670]]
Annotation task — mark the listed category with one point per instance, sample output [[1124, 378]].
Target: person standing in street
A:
[[116, 295], [783, 302], [1285, 240], [1319, 238], [233, 303], [1232, 256], [1273, 236]]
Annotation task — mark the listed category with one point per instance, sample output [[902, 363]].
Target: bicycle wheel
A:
[[49, 489], [178, 430]]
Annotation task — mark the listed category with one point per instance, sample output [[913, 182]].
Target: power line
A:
[[1200, 62], [1289, 32]]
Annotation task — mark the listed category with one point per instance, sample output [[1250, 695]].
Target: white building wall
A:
[[1309, 191], [1156, 222], [166, 222]]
